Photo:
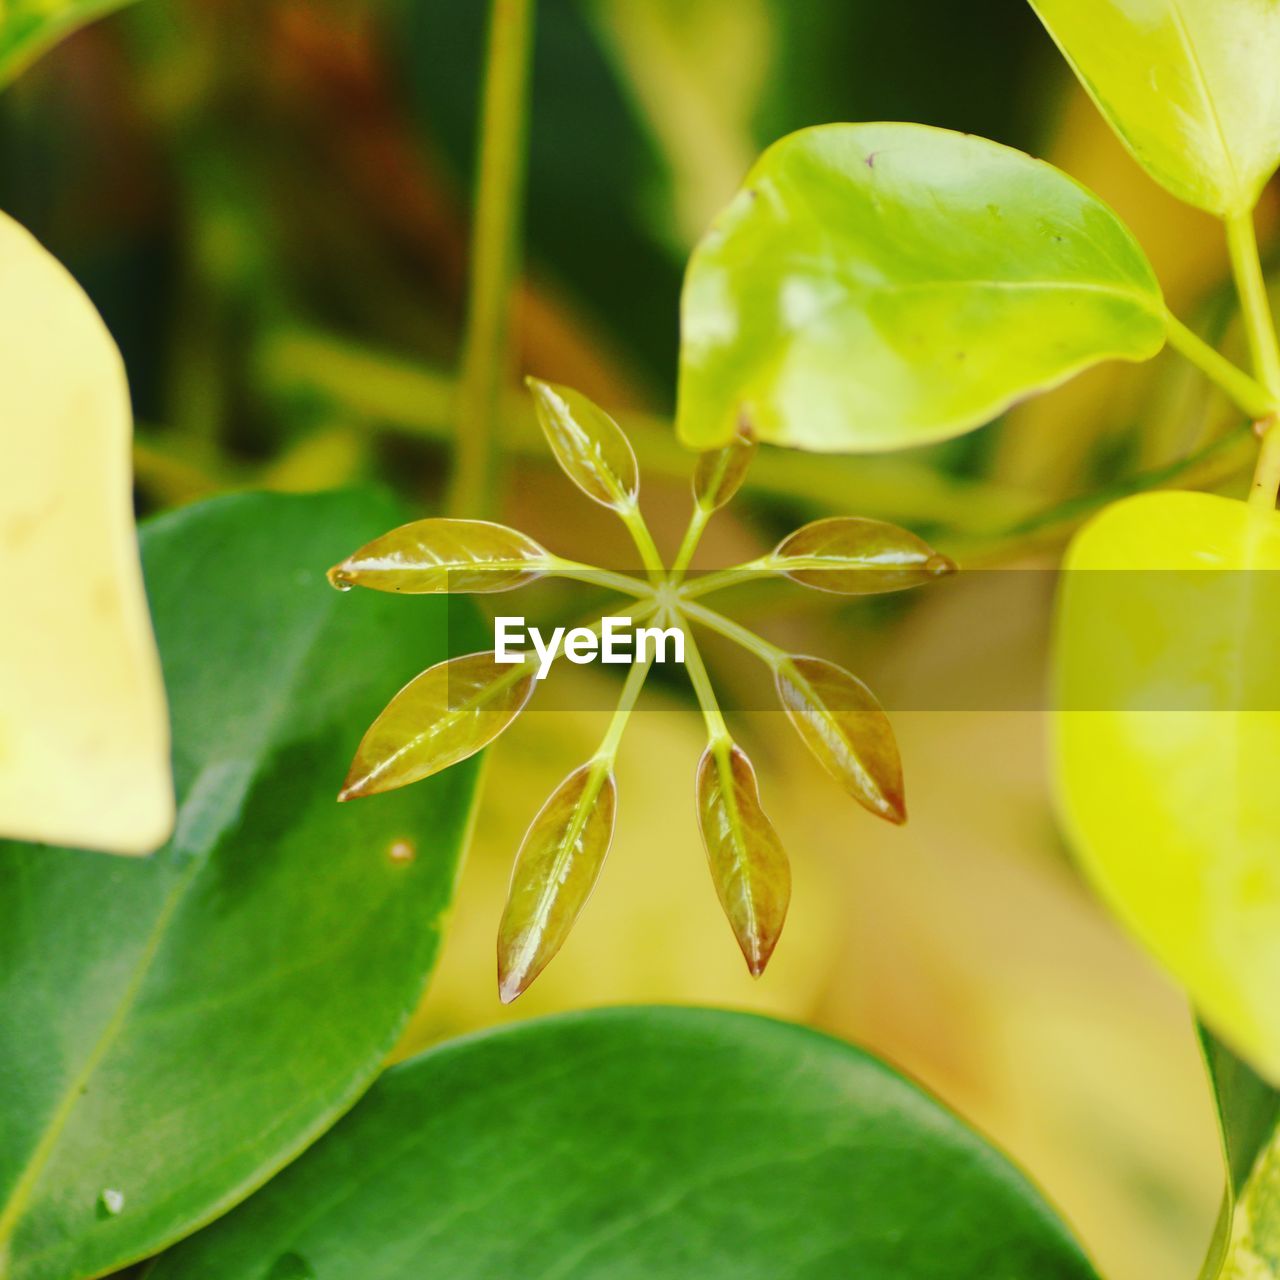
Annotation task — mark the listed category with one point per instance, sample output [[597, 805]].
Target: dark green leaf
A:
[[644, 1144], [177, 1028]]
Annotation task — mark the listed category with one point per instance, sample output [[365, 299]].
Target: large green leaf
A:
[[642, 1144], [176, 1028], [29, 27], [881, 285], [1189, 85]]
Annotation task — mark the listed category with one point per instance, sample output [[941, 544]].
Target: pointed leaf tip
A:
[[852, 555], [847, 729], [441, 717], [555, 871], [588, 444], [748, 864], [444, 555]]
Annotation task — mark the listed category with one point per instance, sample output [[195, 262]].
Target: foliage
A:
[[176, 1028], [29, 27], [786, 1152], [84, 733], [455, 709]]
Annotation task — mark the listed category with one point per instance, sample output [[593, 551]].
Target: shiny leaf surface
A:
[[556, 869], [876, 286], [30, 27], [588, 445], [718, 474], [443, 716], [1189, 85], [847, 730], [850, 555], [748, 863], [1167, 740], [588, 1146], [429, 556], [84, 728], [178, 1027]]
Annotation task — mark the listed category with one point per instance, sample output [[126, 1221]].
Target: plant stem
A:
[[495, 253], [689, 543], [768, 653], [1256, 400], [717, 730], [1255, 305], [636, 677], [623, 583], [722, 578], [650, 556]]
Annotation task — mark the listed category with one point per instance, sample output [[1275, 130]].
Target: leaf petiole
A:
[[1250, 395], [636, 677], [623, 583], [717, 730], [650, 556], [689, 543], [769, 654]]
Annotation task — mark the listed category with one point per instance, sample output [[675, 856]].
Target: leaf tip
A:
[[340, 577], [940, 566]]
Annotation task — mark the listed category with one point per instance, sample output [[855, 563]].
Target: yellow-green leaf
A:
[[1189, 85], [556, 869], [430, 556], [748, 863], [587, 444], [1167, 741], [876, 286], [851, 555], [84, 728], [29, 27], [847, 730], [449, 712], [718, 474]]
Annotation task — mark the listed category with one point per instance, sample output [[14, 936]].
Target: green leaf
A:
[[440, 718], [177, 1028], [556, 869], [430, 556], [644, 1144], [1189, 85], [854, 556], [748, 863], [718, 474], [1167, 744], [847, 730], [588, 445], [29, 28], [875, 286]]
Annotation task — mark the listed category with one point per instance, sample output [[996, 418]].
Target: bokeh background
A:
[[268, 200]]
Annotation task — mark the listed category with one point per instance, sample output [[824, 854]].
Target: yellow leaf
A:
[[1168, 744], [84, 730]]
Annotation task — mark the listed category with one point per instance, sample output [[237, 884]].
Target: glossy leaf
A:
[[1189, 85], [847, 730], [853, 556], [1168, 744], [748, 863], [875, 286], [443, 716], [30, 27], [84, 729], [644, 1144], [176, 1028], [718, 474], [1254, 1249], [556, 869], [430, 556], [588, 445]]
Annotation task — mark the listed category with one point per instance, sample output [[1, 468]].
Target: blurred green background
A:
[[268, 201]]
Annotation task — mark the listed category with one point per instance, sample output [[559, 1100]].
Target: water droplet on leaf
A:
[[111, 1201], [402, 851]]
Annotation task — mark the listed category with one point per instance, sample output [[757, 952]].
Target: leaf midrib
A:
[[12, 1213]]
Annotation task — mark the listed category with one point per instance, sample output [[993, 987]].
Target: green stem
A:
[[623, 583], [1255, 305], [495, 252], [689, 543], [650, 556], [636, 677], [717, 730], [1250, 395], [768, 653]]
